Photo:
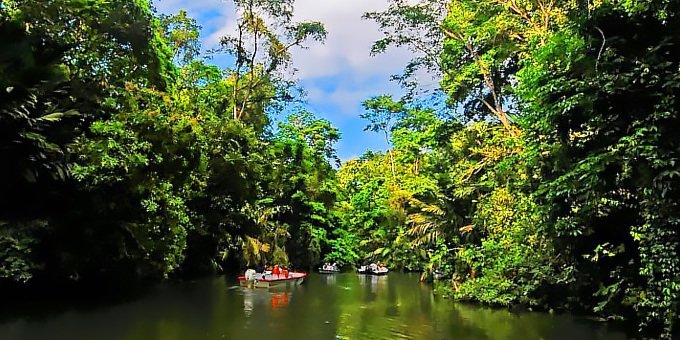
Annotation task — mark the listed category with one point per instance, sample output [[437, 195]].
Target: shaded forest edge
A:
[[543, 172]]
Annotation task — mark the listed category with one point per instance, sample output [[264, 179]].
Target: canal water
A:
[[340, 306]]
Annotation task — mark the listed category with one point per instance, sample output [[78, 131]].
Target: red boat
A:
[[259, 280]]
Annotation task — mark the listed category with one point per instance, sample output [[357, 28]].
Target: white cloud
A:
[[345, 56], [349, 41], [344, 101], [348, 44]]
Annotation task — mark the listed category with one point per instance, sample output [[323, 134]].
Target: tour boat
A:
[[267, 280], [327, 270], [372, 270]]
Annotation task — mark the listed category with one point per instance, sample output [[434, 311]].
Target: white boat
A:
[[329, 269], [373, 269]]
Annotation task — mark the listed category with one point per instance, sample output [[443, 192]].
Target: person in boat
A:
[[250, 274], [263, 271], [276, 271]]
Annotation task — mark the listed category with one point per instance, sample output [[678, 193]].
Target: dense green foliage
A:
[[545, 173], [125, 157], [555, 183]]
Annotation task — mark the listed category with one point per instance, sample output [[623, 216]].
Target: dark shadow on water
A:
[[43, 301]]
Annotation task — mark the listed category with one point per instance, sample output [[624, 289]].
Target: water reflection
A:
[[261, 298], [373, 281], [329, 279], [248, 300], [279, 300], [346, 306]]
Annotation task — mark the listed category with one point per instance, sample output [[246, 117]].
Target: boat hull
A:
[[325, 271], [269, 281], [367, 271], [372, 273]]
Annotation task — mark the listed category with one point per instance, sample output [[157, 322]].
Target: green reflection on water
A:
[[340, 306]]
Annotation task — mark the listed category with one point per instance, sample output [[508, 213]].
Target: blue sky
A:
[[337, 75]]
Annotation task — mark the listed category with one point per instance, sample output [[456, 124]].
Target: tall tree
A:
[[414, 25], [265, 34], [382, 113], [181, 33]]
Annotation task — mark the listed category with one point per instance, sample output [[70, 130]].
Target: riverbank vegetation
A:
[[544, 172]]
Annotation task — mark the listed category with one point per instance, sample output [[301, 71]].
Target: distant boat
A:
[[373, 270], [267, 280], [329, 269]]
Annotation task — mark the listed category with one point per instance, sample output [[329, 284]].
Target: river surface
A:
[[340, 306]]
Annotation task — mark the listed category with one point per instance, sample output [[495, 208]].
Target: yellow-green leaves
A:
[[486, 41]]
